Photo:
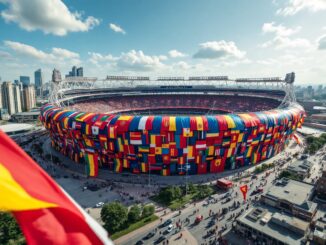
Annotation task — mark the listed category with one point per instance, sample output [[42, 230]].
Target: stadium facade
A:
[[196, 130]]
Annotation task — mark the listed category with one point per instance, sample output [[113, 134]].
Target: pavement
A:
[[186, 238]]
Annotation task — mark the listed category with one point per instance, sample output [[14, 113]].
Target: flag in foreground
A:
[[244, 190], [44, 211]]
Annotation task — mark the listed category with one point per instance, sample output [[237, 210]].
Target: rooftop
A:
[[293, 191], [300, 166], [279, 226], [14, 127], [28, 113]]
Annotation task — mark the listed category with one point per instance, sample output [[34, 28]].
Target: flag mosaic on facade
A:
[[165, 144]]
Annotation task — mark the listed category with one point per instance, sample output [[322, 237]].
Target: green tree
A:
[[148, 210], [10, 232], [192, 188], [115, 216], [177, 192], [134, 214]]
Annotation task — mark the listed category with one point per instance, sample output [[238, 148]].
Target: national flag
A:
[[45, 213], [112, 132], [186, 132], [143, 149], [244, 190], [126, 163], [91, 164], [172, 123], [117, 165], [200, 144], [95, 130], [144, 167], [135, 138]]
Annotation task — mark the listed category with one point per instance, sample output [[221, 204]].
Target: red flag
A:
[[244, 190], [44, 211]]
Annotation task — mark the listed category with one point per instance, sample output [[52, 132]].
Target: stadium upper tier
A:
[[175, 104], [103, 129]]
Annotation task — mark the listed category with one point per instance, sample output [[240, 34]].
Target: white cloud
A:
[[218, 49], [56, 56], [285, 42], [116, 28], [50, 16], [322, 42], [176, 54], [130, 61], [97, 58], [294, 6], [5, 55], [282, 37], [279, 30]]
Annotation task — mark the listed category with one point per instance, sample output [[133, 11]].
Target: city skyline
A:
[[238, 38]]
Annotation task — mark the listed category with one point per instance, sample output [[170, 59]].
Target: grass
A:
[[134, 226], [177, 204]]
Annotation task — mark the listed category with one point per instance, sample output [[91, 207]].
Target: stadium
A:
[[171, 125]]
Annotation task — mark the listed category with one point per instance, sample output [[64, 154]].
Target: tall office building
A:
[[76, 72], [25, 80], [80, 72], [17, 98], [8, 98], [1, 106], [29, 97], [56, 76], [38, 78]]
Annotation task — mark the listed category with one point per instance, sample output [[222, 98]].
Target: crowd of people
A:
[[211, 102]]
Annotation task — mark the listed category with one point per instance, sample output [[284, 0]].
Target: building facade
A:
[[8, 98], [56, 76], [321, 185], [17, 98], [25, 80], [76, 72], [38, 79], [292, 197], [29, 97]]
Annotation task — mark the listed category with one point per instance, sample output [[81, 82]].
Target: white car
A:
[[170, 228], [100, 204]]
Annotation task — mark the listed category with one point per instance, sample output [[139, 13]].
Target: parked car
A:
[[140, 242], [99, 205]]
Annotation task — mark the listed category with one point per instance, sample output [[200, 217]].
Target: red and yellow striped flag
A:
[[44, 211]]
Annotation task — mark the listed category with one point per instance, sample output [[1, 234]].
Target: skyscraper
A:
[[17, 98], [76, 72], [25, 80], [8, 97], [80, 72], [1, 106], [56, 76], [38, 80], [29, 97]]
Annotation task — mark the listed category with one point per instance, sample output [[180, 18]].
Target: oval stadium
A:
[[171, 125]]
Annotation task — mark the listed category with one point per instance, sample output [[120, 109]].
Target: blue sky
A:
[[239, 38]]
